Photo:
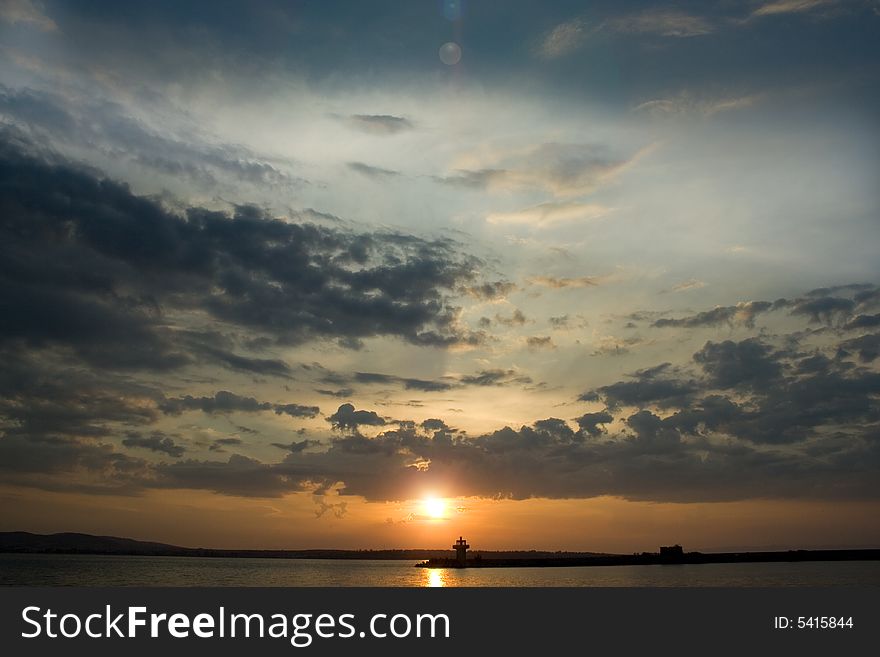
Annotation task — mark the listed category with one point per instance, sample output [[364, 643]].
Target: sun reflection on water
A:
[[435, 577]]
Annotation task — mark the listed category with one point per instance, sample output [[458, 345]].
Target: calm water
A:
[[87, 570]]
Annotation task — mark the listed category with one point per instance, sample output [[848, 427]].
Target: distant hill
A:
[[72, 543]]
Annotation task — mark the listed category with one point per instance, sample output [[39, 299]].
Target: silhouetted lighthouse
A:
[[461, 548]]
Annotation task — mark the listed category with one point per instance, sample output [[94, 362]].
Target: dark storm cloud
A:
[[729, 435], [824, 309], [109, 128], [156, 442], [657, 459], [656, 385], [749, 363], [90, 267], [379, 124], [495, 377], [770, 396], [228, 402], [222, 402], [71, 465], [589, 422], [867, 347], [863, 321], [346, 417], [43, 401], [296, 410]]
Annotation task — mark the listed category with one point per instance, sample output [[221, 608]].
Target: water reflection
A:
[[435, 577]]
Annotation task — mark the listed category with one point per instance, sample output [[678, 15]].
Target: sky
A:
[[554, 275]]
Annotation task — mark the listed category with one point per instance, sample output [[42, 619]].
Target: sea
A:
[[116, 570]]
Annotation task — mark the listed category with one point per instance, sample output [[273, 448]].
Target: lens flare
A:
[[450, 53]]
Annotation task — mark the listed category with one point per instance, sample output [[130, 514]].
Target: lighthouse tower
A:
[[461, 548]]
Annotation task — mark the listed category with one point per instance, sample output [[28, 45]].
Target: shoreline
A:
[[650, 559]]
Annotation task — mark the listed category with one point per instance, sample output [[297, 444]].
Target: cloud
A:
[[228, 402], [547, 214], [407, 383], [743, 313], [863, 321], [491, 377], [376, 173], [490, 291], [379, 124], [298, 446], [818, 305], [296, 410], [347, 418], [516, 319], [791, 6], [564, 170], [649, 387], [117, 266], [563, 39], [568, 37], [219, 445], [264, 366], [748, 363], [540, 342], [590, 422], [755, 422], [109, 129], [822, 309], [26, 12], [156, 442], [660, 22], [867, 346], [558, 283], [692, 284], [495, 377], [687, 103], [222, 402]]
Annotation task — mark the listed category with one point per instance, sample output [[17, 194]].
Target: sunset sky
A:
[[556, 275]]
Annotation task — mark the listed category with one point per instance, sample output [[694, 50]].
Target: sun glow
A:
[[434, 507]]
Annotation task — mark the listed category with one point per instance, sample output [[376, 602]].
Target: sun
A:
[[434, 507]]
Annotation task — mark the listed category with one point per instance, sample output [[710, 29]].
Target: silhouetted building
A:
[[461, 548]]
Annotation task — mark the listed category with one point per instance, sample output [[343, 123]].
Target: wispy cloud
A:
[[26, 12], [692, 284], [791, 6], [568, 37], [550, 213], [378, 124], [563, 39], [661, 22], [561, 169], [559, 283], [688, 103]]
